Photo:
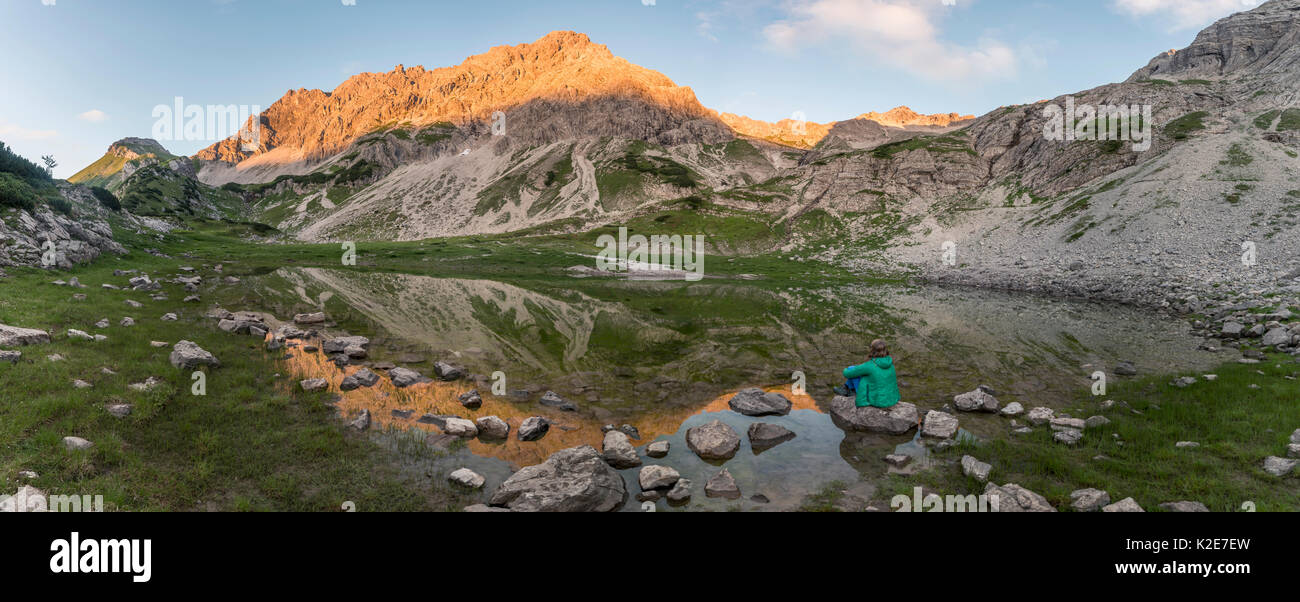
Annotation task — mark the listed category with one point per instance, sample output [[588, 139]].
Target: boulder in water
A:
[[657, 476], [757, 402], [405, 377], [570, 480], [939, 425], [764, 436], [492, 427], [466, 478], [722, 485], [533, 428], [552, 400], [618, 451], [896, 420], [713, 441]]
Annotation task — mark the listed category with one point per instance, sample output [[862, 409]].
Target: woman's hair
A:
[[879, 349]]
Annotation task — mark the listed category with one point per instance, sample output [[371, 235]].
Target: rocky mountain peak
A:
[[904, 116], [1263, 41], [563, 66], [134, 148]]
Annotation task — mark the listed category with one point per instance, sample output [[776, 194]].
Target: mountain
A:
[[122, 159], [586, 137], [807, 134], [1164, 226], [589, 139], [563, 72]]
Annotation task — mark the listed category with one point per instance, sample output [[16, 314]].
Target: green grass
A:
[[1238, 157], [934, 144], [435, 133], [1265, 121], [252, 443], [1290, 121], [825, 499], [1236, 426], [620, 181], [1182, 128]]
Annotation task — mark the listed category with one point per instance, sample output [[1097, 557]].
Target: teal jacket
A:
[[879, 384]]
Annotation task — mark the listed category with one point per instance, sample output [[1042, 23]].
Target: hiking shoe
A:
[[841, 390]]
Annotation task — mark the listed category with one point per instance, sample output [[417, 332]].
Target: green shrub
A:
[[106, 198], [1182, 128], [16, 193], [15, 164]]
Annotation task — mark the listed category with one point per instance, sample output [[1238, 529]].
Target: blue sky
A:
[[80, 74]]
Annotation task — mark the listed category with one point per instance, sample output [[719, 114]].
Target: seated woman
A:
[[874, 383]]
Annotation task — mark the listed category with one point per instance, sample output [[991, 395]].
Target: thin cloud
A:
[[1184, 14], [901, 33], [8, 130], [93, 116]]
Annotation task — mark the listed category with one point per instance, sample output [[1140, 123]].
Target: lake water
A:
[[666, 356]]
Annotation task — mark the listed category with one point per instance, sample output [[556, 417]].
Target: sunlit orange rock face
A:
[[806, 134], [568, 429], [562, 66]]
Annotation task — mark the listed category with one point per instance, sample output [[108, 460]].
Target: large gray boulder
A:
[[447, 372], [492, 427], [939, 425], [756, 402], [466, 478], [1279, 467], [570, 480], [1127, 504], [722, 485], [764, 436], [657, 476], [78, 239], [976, 401], [972, 467], [361, 378], [681, 492], [553, 400], [405, 377], [1184, 506], [1276, 337], [312, 318], [713, 441], [1089, 500], [897, 420], [13, 336], [187, 355], [460, 427], [618, 450], [658, 449], [1014, 498], [533, 428]]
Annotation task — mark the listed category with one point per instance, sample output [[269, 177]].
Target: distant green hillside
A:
[[156, 190], [137, 151]]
